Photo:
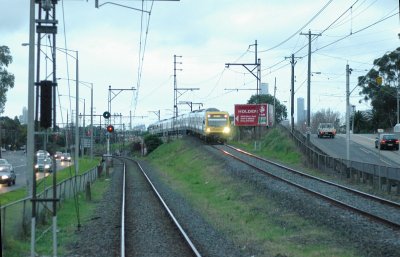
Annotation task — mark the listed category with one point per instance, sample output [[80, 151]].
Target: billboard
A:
[[251, 115]]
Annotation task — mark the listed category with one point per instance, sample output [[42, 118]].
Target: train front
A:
[[217, 125]]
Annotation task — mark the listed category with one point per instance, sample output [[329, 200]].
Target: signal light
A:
[[106, 115], [110, 128], [46, 91]]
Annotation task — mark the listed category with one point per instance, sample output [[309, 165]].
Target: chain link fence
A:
[[16, 217]]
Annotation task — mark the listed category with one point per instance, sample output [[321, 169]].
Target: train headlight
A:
[[208, 130], [227, 130]]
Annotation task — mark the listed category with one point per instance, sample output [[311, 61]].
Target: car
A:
[[326, 130], [66, 157], [57, 155], [42, 154], [387, 141], [44, 164], [7, 174]]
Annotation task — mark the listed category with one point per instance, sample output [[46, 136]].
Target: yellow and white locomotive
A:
[[210, 124]]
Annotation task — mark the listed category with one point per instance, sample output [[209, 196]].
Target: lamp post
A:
[[90, 85]]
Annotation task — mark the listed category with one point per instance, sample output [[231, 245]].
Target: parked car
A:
[[66, 157], [57, 155], [44, 164], [7, 174], [387, 141]]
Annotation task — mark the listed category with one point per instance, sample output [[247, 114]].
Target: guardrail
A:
[[16, 216], [378, 176]]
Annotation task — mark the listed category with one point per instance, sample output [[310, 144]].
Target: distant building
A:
[[23, 119], [264, 89], [300, 111]]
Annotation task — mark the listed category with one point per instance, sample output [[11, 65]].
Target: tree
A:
[[280, 109], [6, 78], [360, 120], [382, 97]]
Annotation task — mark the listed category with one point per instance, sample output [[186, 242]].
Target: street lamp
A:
[[90, 85]]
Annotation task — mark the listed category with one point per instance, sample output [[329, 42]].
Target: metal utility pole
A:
[[348, 72], [46, 24], [309, 34], [178, 92], [251, 67], [175, 86], [293, 63], [190, 104], [110, 98], [157, 113], [274, 101]]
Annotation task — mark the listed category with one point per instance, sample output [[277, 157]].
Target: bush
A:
[[152, 142]]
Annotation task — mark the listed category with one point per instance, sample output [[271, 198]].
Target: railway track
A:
[[148, 226], [370, 206]]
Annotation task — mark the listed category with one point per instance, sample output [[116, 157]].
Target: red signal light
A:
[[110, 128]]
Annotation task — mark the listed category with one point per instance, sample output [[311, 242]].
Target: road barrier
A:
[[384, 178]]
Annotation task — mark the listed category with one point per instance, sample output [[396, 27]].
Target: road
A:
[[362, 149], [18, 160]]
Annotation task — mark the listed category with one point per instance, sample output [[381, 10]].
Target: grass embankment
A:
[[237, 209], [67, 218]]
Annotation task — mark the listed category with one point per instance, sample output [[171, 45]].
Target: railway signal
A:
[[110, 128], [46, 91], [106, 115]]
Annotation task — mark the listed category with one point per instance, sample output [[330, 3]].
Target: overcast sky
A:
[[207, 34]]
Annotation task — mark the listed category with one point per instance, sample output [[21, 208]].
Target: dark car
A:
[[7, 175], [44, 164], [387, 141], [65, 157]]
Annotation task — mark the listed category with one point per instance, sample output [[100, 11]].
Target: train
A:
[[210, 124]]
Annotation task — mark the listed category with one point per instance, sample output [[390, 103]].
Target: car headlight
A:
[[36, 166], [227, 130], [47, 166], [4, 177]]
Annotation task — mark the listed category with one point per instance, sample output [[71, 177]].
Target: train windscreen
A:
[[217, 120]]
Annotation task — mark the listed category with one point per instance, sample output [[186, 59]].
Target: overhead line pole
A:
[[293, 63], [255, 65], [309, 34]]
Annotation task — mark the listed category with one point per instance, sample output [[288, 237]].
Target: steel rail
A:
[[170, 214], [123, 213], [360, 193], [322, 196]]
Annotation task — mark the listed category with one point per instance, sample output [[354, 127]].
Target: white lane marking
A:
[[365, 150], [19, 166]]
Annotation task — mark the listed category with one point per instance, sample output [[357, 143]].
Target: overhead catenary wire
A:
[[141, 61]]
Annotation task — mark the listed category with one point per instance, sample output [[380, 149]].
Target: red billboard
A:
[[251, 114]]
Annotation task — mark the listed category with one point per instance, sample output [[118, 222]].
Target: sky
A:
[[125, 48]]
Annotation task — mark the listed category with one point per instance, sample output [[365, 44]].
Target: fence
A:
[[378, 176], [16, 216]]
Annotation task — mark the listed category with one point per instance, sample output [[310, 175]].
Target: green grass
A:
[[274, 145], [84, 165], [66, 223], [236, 208]]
